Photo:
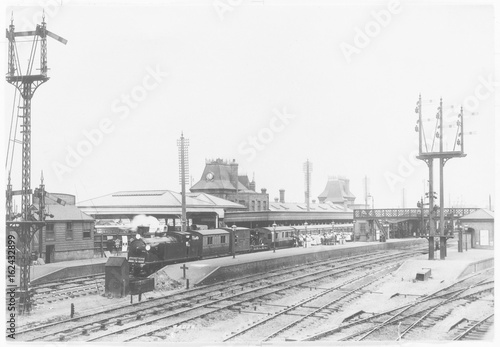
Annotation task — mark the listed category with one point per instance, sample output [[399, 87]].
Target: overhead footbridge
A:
[[370, 224]]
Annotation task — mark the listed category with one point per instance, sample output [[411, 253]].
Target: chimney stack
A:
[[276, 199], [233, 174], [282, 195], [263, 190]]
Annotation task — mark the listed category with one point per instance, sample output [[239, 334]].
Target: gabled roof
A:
[[157, 198], [480, 214], [66, 213]]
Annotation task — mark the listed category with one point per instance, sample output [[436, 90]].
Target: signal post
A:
[[428, 155]]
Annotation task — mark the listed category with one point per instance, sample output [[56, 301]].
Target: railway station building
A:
[[291, 214], [337, 192], [479, 229], [166, 205], [220, 178], [69, 233]]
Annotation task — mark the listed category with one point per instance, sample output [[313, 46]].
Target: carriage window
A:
[[210, 240], [269, 236], [282, 234], [222, 239]]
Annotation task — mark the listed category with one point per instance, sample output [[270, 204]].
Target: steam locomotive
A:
[[147, 253]]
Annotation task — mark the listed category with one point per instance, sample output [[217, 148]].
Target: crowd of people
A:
[[320, 239]]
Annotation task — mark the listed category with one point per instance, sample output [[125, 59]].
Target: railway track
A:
[[325, 302], [67, 288], [415, 317], [147, 318], [476, 329]]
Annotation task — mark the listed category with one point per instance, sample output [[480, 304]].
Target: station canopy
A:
[[154, 202]]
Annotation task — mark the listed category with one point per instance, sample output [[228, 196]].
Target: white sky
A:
[[227, 77]]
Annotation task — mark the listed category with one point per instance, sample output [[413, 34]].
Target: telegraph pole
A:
[[428, 156], [183, 144], [307, 173]]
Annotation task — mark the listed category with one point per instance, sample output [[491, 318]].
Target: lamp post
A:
[[305, 233], [460, 237], [274, 237], [333, 233], [234, 240]]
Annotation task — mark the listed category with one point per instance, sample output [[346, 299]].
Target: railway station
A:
[[152, 240]]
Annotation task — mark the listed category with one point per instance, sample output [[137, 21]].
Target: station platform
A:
[[454, 267], [214, 270], [40, 274], [218, 269]]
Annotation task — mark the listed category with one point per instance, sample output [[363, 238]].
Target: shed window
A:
[[86, 231], [49, 232], [69, 231], [210, 240], [223, 239]]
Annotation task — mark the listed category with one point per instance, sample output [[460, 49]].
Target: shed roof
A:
[[480, 214], [66, 213]]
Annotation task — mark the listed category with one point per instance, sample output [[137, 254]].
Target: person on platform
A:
[[109, 245]]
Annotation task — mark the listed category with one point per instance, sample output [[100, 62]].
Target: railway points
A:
[[328, 289]]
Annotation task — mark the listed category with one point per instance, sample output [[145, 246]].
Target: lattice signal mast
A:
[[183, 145], [428, 155], [26, 84], [307, 181]]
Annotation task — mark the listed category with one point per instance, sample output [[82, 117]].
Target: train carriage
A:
[[286, 236], [215, 242], [242, 239]]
